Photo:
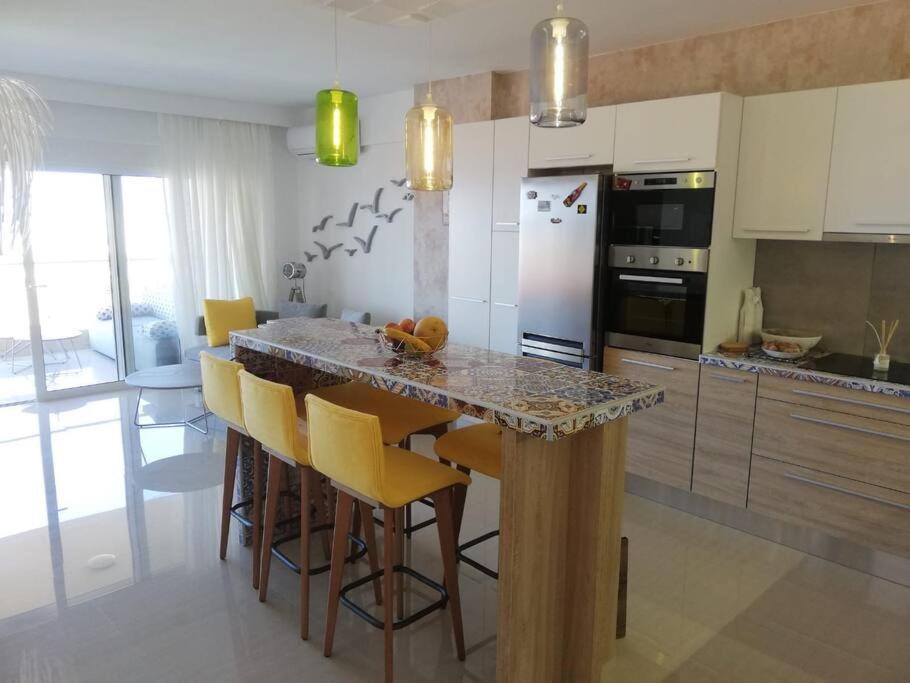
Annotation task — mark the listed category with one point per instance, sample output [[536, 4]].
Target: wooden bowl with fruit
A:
[[419, 339]]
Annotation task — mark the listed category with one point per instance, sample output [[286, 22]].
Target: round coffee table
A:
[[167, 377]]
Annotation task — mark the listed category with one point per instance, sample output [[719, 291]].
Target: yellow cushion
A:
[[221, 387], [478, 448], [398, 416], [223, 316], [270, 417], [346, 446]]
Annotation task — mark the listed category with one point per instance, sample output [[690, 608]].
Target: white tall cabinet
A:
[[470, 244]]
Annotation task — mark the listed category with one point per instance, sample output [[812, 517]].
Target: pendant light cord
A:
[[429, 60], [335, 31]]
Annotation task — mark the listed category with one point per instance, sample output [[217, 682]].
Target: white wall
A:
[[381, 282]]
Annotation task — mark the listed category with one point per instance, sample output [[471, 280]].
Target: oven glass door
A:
[[667, 218], [657, 305]]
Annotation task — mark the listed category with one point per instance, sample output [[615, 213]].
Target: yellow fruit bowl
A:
[[409, 345]]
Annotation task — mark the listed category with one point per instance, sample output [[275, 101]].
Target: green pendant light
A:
[[337, 121]]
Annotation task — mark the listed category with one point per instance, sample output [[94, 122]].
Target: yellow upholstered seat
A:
[[221, 388], [399, 416], [346, 446], [477, 448], [222, 316], [270, 416]]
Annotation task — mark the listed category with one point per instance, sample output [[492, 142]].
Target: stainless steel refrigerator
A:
[[561, 250]]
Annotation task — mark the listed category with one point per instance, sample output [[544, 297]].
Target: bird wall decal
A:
[[351, 216], [322, 223], [327, 251], [398, 183], [367, 244], [309, 256], [389, 217], [409, 197], [374, 207], [351, 252]]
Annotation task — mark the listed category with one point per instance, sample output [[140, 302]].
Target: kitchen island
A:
[[563, 448]]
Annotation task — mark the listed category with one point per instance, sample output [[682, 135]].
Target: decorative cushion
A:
[[105, 313], [224, 315], [160, 329], [140, 308]]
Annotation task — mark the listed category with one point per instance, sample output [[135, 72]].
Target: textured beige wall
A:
[[854, 45]]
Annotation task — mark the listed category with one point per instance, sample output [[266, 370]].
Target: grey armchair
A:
[[193, 352]]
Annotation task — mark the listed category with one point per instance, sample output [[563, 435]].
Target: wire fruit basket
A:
[[421, 347]]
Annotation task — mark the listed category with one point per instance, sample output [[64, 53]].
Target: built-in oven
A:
[[663, 209], [656, 299]]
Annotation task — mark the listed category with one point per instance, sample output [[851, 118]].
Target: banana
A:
[[411, 342]]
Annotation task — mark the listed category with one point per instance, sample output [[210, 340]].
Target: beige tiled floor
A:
[[706, 603]]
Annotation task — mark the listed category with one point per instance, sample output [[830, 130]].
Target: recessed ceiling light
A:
[[103, 561]]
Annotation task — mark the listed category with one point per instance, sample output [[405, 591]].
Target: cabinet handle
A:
[[849, 428], [677, 160], [839, 489], [851, 401], [510, 223], [497, 303], [652, 278], [646, 364], [892, 223], [569, 157], [469, 300], [782, 230], [725, 378]]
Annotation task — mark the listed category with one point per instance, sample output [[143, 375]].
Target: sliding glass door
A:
[[89, 291]]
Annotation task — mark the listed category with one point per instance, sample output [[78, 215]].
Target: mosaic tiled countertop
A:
[[769, 366], [534, 396]]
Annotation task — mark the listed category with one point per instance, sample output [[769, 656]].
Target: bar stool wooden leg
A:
[[343, 512], [322, 515], [388, 589], [272, 494], [256, 514], [306, 491], [446, 527], [398, 538], [369, 532], [231, 451]]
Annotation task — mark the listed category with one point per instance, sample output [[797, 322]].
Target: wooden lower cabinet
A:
[[723, 434], [661, 440], [865, 514], [842, 444]]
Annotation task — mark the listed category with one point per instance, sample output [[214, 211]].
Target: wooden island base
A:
[[559, 554]]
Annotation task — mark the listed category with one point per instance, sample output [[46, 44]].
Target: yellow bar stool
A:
[[347, 446], [479, 448], [270, 416], [221, 391], [400, 419]]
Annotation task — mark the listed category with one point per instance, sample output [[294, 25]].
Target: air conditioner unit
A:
[[302, 140]]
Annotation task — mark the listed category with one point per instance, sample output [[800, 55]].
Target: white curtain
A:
[[220, 199]]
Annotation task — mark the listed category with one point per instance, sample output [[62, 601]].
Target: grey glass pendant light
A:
[[559, 72]]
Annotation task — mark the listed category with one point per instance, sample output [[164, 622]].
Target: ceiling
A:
[[280, 51]]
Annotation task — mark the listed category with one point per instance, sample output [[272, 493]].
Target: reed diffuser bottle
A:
[[884, 334]]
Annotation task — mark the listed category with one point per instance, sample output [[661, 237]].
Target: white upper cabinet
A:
[[470, 234], [870, 162], [677, 134], [510, 165], [784, 159], [504, 293], [590, 144]]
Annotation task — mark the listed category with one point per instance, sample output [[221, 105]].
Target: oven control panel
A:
[[659, 258]]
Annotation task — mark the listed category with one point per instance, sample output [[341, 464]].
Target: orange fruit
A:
[[432, 330]]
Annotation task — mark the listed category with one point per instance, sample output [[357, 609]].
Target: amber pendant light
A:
[[337, 121], [428, 142], [559, 72]]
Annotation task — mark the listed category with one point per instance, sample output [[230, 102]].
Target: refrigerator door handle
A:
[[652, 278]]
